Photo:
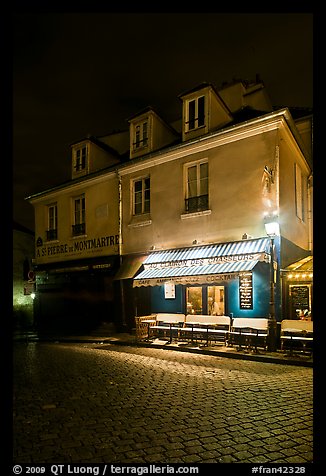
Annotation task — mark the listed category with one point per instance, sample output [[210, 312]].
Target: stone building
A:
[[173, 217]]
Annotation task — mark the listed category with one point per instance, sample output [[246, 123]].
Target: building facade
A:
[[180, 213]]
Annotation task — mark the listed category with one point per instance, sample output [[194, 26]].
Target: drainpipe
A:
[[123, 309]]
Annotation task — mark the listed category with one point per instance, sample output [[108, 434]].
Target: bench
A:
[[206, 327], [165, 325], [296, 335], [250, 332]]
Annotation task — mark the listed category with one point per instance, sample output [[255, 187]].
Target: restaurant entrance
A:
[[209, 300]]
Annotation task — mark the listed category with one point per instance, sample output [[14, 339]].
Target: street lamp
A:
[[272, 229]]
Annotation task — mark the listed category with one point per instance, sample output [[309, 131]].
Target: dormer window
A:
[[141, 135], [80, 159], [195, 113]]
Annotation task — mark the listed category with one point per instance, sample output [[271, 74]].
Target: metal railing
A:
[[51, 234], [196, 204], [79, 229]]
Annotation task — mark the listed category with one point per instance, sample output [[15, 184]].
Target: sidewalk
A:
[[220, 350]]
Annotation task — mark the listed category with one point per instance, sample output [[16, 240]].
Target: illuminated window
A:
[[52, 231], [194, 300], [140, 135], [195, 113], [80, 158], [196, 186], [79, 225], [141, 196], [206, 300], [215, 300]]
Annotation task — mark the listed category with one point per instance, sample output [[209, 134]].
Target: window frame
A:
[[80, 160], [144, 210], [300, 188], [52, 222], [79, 216], [199, 119], [205, 196], [140, 134]]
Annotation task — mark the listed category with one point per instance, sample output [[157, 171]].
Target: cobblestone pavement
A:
[[92, 403]]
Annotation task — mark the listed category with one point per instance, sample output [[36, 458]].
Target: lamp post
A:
[[272, 229]]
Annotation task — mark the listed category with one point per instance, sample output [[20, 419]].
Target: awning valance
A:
[[193, 275], [202, 264]]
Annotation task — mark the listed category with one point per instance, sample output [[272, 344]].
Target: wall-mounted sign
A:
[[76, 247], [207, 261], [169, 290], [300, 296], [245, 291], [186, 280]]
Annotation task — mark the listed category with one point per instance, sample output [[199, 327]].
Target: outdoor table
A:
[[193, 323]]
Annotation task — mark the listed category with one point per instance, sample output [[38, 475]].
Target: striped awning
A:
[[233, 248], [202, 264]]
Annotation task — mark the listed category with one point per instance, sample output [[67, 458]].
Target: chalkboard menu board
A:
[[300, 297], [245, 291]]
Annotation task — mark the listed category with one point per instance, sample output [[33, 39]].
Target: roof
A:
[[99, 143], [198, 88]]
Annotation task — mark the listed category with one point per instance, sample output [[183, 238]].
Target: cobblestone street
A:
[[92, 403]]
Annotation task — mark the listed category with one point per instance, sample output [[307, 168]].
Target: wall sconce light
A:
[[272, 226]]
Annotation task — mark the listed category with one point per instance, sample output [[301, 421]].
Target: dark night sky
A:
[[86, 73]]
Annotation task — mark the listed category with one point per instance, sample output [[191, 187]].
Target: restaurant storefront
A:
[[298, 289], [220, 279]]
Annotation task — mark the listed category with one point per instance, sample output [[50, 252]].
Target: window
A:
[[52, 232], [215, 300], [80, 158], [141, 135], [197, 187], [141, 196], [195, 113], [194, 300], [205, 300], [300, 187], [79, 226]]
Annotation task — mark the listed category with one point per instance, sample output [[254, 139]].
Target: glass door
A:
[[215, 300], [194, 300]]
